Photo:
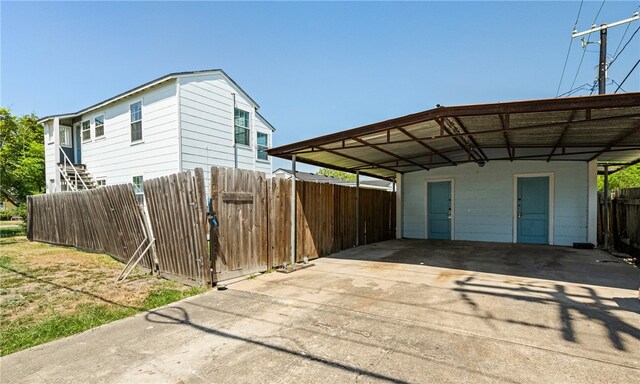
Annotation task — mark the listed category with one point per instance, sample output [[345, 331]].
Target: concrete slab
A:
[[398, 311]]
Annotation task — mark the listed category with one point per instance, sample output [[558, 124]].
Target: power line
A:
[[566, 59], [628, 74], [622, 39], [619, 85], [584, 50], [625, 46]]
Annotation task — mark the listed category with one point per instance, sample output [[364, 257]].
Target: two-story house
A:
[[174, 123]]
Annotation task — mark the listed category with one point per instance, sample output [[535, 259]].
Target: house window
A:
[[138, 189], [65, 136], [241, 124], [263, 145], [99, 123], [50, 132], [101, 182], [136, 121], [86, 130]]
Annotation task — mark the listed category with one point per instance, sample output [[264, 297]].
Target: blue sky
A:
[[315, 68]]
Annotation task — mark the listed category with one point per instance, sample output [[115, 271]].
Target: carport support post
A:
[[605, 211], [357, 208], [293, 210]]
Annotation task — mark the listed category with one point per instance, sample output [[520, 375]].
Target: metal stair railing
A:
[[75, 171]]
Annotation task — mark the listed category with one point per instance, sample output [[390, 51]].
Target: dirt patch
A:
[[39, 281]]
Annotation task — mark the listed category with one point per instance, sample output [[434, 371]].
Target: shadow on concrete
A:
[[589, 305], [164, 316], [536, 261]]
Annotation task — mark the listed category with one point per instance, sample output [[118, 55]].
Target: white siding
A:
[[207, 116], [484, 200], [114, 158], [49, 157]]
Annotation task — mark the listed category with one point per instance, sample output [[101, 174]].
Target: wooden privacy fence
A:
[[624, 220], [253, 213], [178, 216], [255, 221], [106, 220]]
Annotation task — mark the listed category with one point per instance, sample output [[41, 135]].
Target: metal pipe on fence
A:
[[605, 214], [294, 224], [357, 208]]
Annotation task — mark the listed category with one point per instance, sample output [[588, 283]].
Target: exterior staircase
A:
[[75, 177]]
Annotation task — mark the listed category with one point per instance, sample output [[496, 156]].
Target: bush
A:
[[7, 214], [22, 212]]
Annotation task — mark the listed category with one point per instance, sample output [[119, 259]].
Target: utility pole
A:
[[602, 67]]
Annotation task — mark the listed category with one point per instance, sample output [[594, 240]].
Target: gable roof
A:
[[157, 81]]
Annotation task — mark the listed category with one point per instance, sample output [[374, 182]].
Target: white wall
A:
[[207, 117], [484, 198], [115, 158], [49, 156]]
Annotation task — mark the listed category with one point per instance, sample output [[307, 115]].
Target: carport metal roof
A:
[[603, 127]]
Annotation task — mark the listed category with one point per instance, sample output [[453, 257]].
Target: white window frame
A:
[[50, 133], [131, 122], [264, 147], [247, 128], [66, 139], [84, 129], [95, 125], [138, 190], [101, 182]]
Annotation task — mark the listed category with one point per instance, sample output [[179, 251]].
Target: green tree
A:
[[22, 168], [346, 176], [626, 178]]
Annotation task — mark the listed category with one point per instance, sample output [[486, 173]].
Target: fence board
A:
[[89, 220], [624, 220], [256, 235], [177, 214]]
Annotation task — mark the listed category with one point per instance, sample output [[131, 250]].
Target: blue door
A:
[[439, 210], [533, 210]]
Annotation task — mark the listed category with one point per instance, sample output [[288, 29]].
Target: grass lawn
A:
[[48, 292]]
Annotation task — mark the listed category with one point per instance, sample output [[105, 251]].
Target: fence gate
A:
[[177, 214], [239, 244]]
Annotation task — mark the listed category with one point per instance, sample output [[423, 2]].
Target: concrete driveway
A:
[[398, 311]]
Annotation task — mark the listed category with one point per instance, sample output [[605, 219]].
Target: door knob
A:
[[519, 215]]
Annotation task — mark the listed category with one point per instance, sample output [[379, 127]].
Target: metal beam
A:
[[504, 120], [616, 141], [564, 131], [427, 146], [470, 137], [444, 127], [359, 160], [389, 153], [533, 157]]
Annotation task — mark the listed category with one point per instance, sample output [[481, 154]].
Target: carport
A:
[[521, 172]]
